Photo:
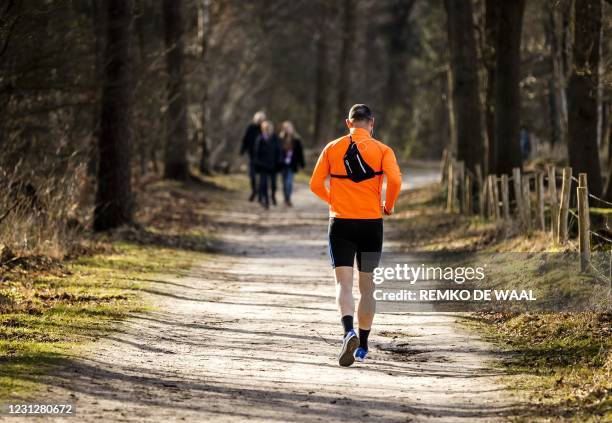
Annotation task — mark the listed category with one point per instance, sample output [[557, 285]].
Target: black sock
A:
[[363, 338], [347, 322]]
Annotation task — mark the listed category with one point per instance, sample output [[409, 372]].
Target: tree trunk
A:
[[345, 71], [394, 91], [204, 21], [607, 194], [507, 91], [175, 166], [466, 101], [97, 17], [491, 36], [557, 81], [114, 194], [322, 90], [584, 94]]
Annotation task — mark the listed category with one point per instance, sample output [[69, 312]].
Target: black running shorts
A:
[[355, 237]]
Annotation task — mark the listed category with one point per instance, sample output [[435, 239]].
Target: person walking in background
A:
[[266, 160], [292, 155], [356, 164], [251, 134], [525, 140]]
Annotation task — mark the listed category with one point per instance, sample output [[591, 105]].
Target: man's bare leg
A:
[[344, 290], [346, 307], [367, 304], [365, 312]]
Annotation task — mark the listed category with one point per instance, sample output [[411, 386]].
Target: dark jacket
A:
[[267, 154], [248, 141], [296, 162]]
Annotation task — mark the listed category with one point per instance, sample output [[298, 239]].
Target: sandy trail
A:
[[252, 334]]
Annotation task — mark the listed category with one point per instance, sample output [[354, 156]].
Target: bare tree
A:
[[175, 166], [584, 93], [466, 102], [345, 71], [204, 32], [507, 90], [557, 82], [114, 195], [321, 132], [491, 35]]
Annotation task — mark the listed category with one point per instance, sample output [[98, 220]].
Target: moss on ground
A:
[[46, 315]]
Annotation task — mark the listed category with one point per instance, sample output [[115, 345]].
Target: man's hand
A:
[[385, 211]]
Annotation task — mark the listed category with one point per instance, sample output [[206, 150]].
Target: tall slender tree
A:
[[400, 35], [321, 106], [583, 92], [345, 71], [114, 195], [507, 90], [175, 161], [491, 35], [557, 81], [204, 31], [465, 86]]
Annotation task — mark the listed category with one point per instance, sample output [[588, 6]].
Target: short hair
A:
[[259, 116], [360, 112]]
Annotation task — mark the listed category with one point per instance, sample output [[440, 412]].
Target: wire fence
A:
[[511, 197]]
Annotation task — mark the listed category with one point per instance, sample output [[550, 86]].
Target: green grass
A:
[[48, 314]]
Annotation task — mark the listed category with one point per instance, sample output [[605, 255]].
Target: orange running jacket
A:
[[356, 200]]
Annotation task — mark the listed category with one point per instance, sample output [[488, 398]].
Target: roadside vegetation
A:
[[53, 304], [560, 363]]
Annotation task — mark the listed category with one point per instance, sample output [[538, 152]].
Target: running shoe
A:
[[360, 354], [349, 345]]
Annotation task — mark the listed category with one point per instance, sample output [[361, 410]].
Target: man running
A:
[[355, 224]]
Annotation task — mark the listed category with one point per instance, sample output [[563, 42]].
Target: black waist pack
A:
[[357, 169]]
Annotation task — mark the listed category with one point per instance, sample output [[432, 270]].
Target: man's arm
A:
[[394, 179], [245, 140], [300, 154], [319, 176]]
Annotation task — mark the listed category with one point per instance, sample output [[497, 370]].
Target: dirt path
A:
[[253, 334]]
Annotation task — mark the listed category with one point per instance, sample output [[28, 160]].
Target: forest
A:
[[121, 125], [93, 91]]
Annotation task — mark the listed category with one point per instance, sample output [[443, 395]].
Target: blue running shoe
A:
[[349, 345], [360, 354]]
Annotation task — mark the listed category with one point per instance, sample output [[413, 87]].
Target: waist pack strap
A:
[[346, 176]]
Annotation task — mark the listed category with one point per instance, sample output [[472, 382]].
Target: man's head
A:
[[259, 117], [360, 116], [267, 128]]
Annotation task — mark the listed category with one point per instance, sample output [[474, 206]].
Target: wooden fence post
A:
[[540, 201], [505, 196], [496, 196], [584, 236], [526, 200], [480, 191], [564, 206], [467, 194], [518, 193], [490, 197], [460, 185], [554, 203], [444, 166], [484, 200], [450, 189]]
